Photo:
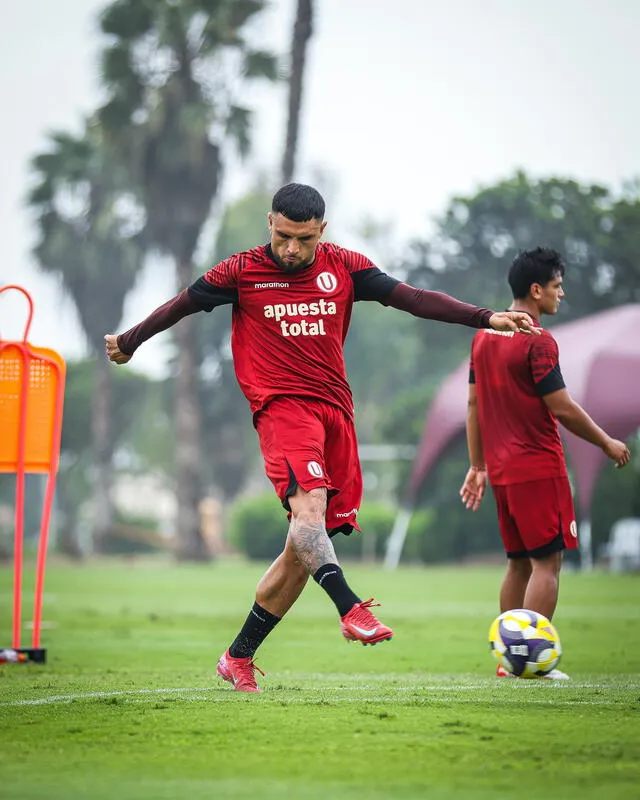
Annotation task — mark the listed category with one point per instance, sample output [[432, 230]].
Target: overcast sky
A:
[[406, 104]]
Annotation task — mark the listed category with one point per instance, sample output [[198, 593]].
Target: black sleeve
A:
[[552, 382], [545, 364], [208, 296], [373, 284]]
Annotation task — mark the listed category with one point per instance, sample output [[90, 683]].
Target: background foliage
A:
[[144, 177]]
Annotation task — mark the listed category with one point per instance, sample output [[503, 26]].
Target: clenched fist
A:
[[113, 351]]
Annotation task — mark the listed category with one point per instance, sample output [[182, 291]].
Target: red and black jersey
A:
[[512, 372], [288, 329]]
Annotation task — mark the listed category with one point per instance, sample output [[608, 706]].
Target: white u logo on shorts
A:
[[327, 281], [315, 469]]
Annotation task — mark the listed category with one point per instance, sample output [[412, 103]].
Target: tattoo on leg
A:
[[312, 544]]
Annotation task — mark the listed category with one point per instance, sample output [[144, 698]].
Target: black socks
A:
[[260, 623], [255, 630], [330, 577]]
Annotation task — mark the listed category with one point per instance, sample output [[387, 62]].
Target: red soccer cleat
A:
[[501, 672], [360, 625], [240, 672]]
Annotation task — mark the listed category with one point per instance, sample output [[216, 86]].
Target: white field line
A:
[[198, 693]]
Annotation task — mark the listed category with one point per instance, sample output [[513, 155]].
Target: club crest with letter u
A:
[[327, 282]]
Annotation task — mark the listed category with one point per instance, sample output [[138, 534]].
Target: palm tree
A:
[[302, 31], [243, 223], [89, 237], [172, 70]]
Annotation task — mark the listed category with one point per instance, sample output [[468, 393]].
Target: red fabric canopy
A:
[[600, 361]]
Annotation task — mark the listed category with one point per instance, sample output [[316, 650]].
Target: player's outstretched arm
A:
[[120, 348], [575, 419], [475, 482], [444, 308], [370, 283]]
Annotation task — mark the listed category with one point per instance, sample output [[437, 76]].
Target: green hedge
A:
[[258, 528], [133, 534], [376, 521]]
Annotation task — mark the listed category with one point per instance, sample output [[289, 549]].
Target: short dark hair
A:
[[298, 202], [539, 265]]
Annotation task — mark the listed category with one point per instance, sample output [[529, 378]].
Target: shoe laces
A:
[[361, 615], [244, 672]]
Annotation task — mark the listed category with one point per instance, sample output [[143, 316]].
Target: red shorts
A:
[[312, 444], [536, 518]]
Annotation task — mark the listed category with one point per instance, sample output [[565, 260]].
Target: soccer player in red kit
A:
[[517, 396], [292, 301]]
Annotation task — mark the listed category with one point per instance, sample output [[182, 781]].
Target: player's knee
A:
[[309, 507], [520, 567], [310, 516], [550, 564]]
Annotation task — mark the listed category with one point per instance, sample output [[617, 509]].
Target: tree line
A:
[[141, 180]]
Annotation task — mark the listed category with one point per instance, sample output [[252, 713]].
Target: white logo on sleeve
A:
[[327, 282], [314, 469]]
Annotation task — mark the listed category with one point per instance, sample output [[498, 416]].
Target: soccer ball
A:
[[525, 643]]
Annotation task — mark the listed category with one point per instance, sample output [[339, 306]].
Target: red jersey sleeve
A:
[[354, 262], [544, 364], [225, 274]]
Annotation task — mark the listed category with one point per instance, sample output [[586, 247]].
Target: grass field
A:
[[128, 706]]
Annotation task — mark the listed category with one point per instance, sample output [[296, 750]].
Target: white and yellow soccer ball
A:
[[525, 643]]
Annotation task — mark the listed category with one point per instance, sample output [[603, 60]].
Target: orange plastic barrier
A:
[[31, 405]]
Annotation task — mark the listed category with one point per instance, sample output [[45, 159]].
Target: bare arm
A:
[[475, 482], [575, 419], [474, 439]]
